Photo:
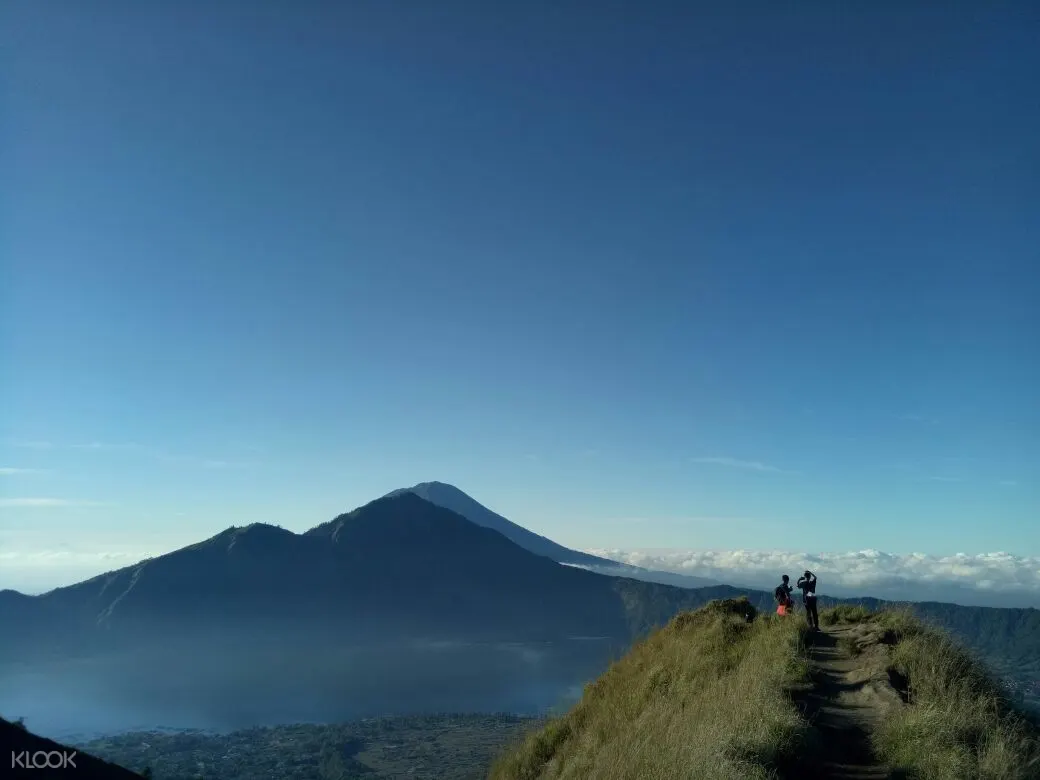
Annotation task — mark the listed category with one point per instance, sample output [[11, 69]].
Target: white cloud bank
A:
[[987, 579]]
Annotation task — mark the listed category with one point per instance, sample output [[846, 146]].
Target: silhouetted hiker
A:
[[782, 594], [807, 584]]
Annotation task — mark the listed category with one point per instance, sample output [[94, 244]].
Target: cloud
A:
[[997, 579], [48, 502], [7, 471], [736, 463]]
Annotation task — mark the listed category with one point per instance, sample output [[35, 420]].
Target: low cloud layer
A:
[[990, 579], [987, 579]]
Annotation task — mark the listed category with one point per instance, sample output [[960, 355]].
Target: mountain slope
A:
[[450, 497], [702, 697], [716, 695], [16, 742], [399, 566], [400, 605]]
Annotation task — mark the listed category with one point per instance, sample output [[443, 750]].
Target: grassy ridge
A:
[[706, 696], [958, 722], [710, 695]]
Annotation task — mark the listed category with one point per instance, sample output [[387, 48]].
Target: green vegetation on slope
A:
[[958, 722], [712, 695], [706, 696]]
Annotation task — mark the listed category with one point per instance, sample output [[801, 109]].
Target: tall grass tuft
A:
[[843, 614], [958, 723]]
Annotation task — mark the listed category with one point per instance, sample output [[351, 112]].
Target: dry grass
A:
[[710, 696], [706, 696], [958, 724], [844, 614]]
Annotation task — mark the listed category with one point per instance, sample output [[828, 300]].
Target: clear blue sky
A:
[[616, 274]]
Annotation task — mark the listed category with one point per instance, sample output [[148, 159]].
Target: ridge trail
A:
[[844, 704]]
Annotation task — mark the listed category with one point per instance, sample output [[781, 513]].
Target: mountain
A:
[[1008, 637], [723, 693], [450, 497], [397, 567], [21, 747], [398, 606]]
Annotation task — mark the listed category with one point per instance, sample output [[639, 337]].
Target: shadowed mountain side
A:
[[17, 742], [399, 567]]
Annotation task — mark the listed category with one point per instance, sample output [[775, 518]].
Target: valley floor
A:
[[433, 747]]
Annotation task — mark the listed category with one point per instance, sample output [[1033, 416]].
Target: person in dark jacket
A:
[[807, 585], [782, 594]]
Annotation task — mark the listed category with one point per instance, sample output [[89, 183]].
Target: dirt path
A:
[[845, 703]]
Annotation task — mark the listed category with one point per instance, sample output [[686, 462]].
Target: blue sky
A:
[[638, 278]]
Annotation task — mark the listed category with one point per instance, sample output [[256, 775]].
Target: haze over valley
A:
[[400, 607]]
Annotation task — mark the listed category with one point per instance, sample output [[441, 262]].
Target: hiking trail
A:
[[847, 700]]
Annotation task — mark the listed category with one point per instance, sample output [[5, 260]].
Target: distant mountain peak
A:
[[435, 484], [423, 489], [450, 497]]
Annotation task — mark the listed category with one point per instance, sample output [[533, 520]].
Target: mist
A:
[[222, 687]]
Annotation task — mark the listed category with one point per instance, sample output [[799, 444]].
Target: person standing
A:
[[807, 584], [782, 594]]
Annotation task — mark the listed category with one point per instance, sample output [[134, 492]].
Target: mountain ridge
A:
[[450, 497], [260, 550], [729, 693], [397, 572]]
